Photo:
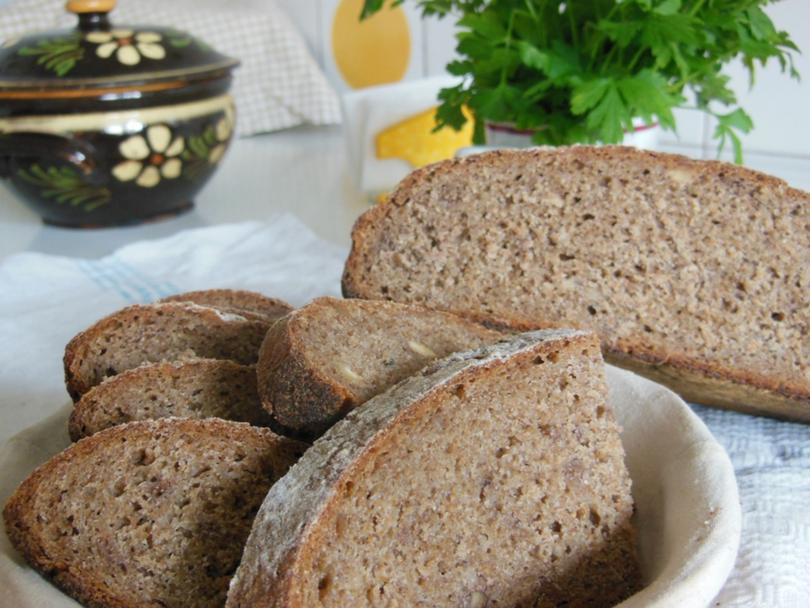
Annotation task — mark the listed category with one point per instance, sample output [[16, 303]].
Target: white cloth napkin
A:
[[47, 299], [278, 85]]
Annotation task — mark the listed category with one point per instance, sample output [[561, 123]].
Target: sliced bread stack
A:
[[151, 513], [491, 478], [181, 357], [330, 356], [693, 273]]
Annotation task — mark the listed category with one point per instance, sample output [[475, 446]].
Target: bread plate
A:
[[687, 505]]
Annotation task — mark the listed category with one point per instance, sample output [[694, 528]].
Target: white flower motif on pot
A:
[[223, 131], [128, 46], [150, 159]]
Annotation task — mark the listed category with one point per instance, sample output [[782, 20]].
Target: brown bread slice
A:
[[203, 388], [158, 332], [325, 359], [694, 273], [151, 513], [491, 478], [250, 304]]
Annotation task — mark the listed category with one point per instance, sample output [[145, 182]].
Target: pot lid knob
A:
[[80, 7]]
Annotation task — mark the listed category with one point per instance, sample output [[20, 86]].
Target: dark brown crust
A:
[[708, 382], [277, 588], [286, 378], [22, 529], [85, 407], [251, 304], [311, 401], [77, 385]]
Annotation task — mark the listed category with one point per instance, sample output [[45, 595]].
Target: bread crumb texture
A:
[[492, 478], [151, 513]]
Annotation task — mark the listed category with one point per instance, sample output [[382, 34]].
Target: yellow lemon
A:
[[414, 141], [374, 51]]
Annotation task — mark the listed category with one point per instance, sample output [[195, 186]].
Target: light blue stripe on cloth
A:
[[112, 274]]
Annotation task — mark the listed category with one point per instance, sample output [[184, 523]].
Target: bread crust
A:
[[303, 401], [699, 380], [250, 304], [287, 529], [79, 347], [21, 523]]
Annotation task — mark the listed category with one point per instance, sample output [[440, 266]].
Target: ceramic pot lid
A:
[[100, 55]]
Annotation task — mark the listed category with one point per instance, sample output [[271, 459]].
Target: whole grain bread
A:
[[151, 513], [203, 388], [491, 478], [250, 304], [323, 360], [694, 273], [158, 332]]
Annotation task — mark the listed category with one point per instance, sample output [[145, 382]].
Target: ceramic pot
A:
[[105, 125], [500, 135]]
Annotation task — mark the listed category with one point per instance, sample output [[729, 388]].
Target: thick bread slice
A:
[[203, 388], [491, 478], [158, 332], [330, 356], [249, 304], [151, 513], [694, 273]]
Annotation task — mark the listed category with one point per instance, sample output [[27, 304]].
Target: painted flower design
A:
[[151, 158], [128, 46], [223, 131]]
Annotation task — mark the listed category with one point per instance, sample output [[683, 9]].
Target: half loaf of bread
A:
[[249, 304], [150, 513], [491, 478], [158, 332], [694, 273], [326, 358], [203, 388]]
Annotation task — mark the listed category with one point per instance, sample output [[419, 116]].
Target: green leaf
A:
[[668, 7], [588, 94], [609, 116], [533, 57]]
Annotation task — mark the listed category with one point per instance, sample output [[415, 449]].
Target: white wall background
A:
[[779, 106]]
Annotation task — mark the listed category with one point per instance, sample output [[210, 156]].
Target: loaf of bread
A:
[[150, 513], [694, 273], [249, 304], [203, 388], [491, 478], [323, 360], [159, 332]]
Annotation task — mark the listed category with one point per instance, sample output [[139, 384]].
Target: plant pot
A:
[[504, 135], [103, 126]]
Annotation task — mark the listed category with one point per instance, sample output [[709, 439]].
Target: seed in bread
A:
[[694, 273], [328, 357], [249, 304], [151, 513], [490, 478], [203, 388], [158, 332]]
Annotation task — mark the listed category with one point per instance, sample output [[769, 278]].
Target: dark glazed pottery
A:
[[102, 125]]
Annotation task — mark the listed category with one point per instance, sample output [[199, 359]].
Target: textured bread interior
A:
[[236, 301], [506, 489], [367, 347], [662, 256], [193, 389], [160, 332], [149, 514]]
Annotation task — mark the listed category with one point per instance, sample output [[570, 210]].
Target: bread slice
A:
[[250, 304], [158, 332], [330, 356], [491, 478], [151, 513], [694, 273], [203, 388]]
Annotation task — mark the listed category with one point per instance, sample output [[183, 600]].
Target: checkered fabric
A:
[[278, 85]]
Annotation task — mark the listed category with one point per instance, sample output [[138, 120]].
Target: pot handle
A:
[[76, 152]]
